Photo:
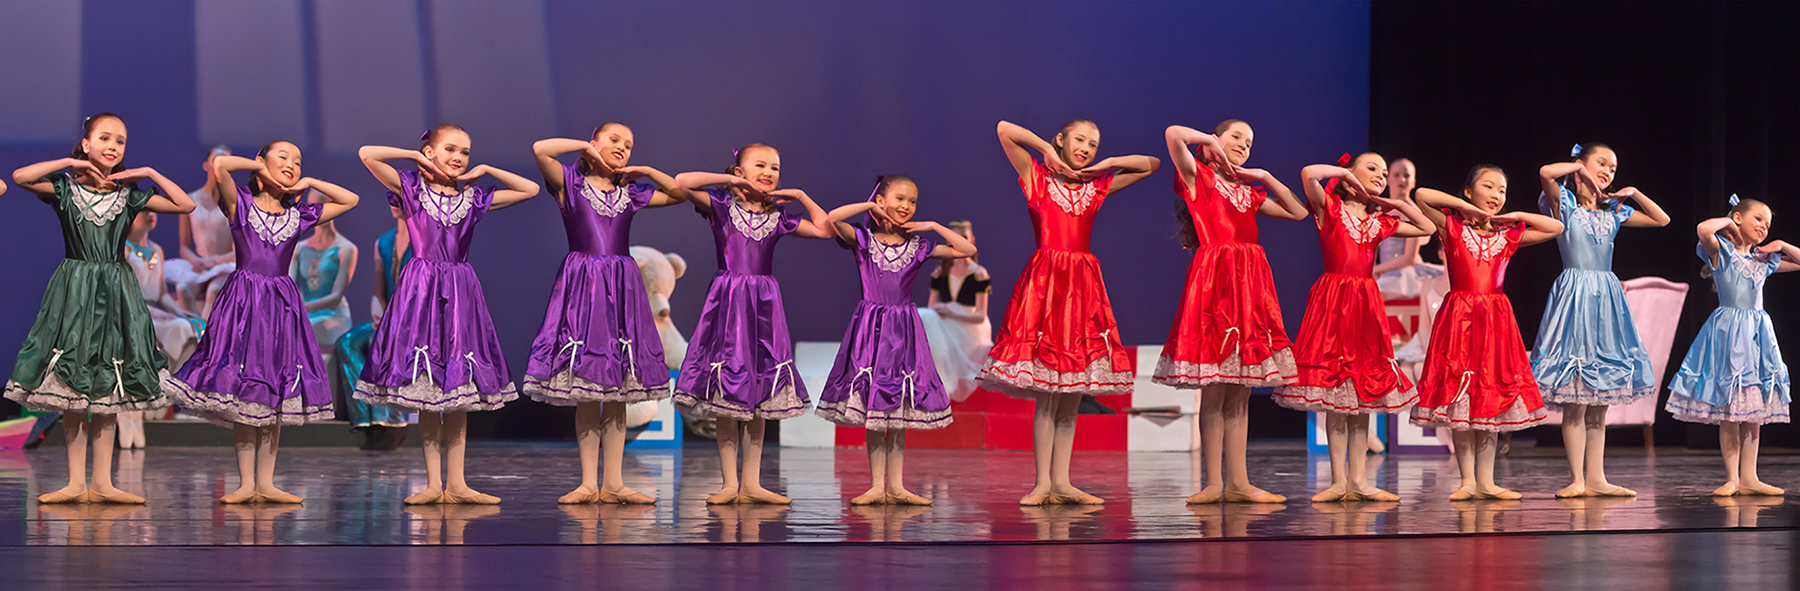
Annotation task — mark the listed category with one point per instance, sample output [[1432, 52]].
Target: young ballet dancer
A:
[[92, 353], [1477, 380], [257, 367], [1228, 335], [598, 349], [1733, 375], [1588, 355], [1060, 342], [740, 364], [436, 351], [884, 379], [956, 319], [1345, 358]]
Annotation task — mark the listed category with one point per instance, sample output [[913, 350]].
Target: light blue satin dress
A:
[[1588, 350], [1733, 371]]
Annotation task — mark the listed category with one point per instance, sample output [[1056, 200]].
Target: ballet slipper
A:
[[470, 498], [580, 496], [1498, 494], [58, 497], [1080, 498], [1259, 496], [236, 498], [723, 497], [1035, 499], [1728, 490], [117, 497], [1330, 495], [278, 497], [1462, 494], [1765, 489], [766, 498], [1615, 491], [1206, 496], [869, 498], [906, 497], [1573, 491], [426, 497], [626, 496], [1378, 495]]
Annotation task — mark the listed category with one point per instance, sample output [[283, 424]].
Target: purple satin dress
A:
[[598, 343], [436, 349], [884, 377], [740, 363], [258, 364]]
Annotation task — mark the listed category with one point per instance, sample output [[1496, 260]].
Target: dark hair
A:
[[1743, 206], [431, 137], [255, 184], [1226, 124], [1475, 173], [87, 129], [882, 184], [1338, 188], [581, 164], [1587, 150]]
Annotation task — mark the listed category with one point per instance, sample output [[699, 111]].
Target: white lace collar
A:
[[894, 258], [1074, 201], [1752, 266], [98, 208], [607, 203], [755, 225], [448, 210], [274, 228], [1483, 248], [1363, 231], [1599, 223], [1242, 197]]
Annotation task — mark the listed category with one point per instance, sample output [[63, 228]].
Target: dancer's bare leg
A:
[[1595, 482], [587, 441], [456, 448], [896, 470], [1358, 438], [431, 442], [1063, 453], [877, 446], [1212, 444], [1337, 439], [104, 429], [1730, 449], [730, 437], [1463, 440], [750, 484], [1237, 441], [244, 441], [1486, 449], [268, 446], [1751, 434], [1043, 444], [75, 437], [1574, 432], [612, 447]]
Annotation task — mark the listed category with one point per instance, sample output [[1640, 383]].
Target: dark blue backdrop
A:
[[846, 90]]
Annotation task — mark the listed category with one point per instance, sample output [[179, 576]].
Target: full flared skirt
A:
[[1345, 357], [1060, 336], [1228, 329], [258, 363], [1477, 375], [436, 349], [1588, 350], [598, 342], [884, 377], [740, 363], [92, 348], [1732, 373]]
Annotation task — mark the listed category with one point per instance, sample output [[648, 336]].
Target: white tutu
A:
[[959, 349]]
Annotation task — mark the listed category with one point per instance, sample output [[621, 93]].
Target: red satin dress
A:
[[1477, 375], [1059, 335], [1228, 329], [1346, 360]]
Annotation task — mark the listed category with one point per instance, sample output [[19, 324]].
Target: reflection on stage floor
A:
[[353, 498]]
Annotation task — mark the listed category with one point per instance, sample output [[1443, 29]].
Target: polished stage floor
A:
[[353, 530]]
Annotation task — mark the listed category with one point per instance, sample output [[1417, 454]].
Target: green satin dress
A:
[[92, 348]]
